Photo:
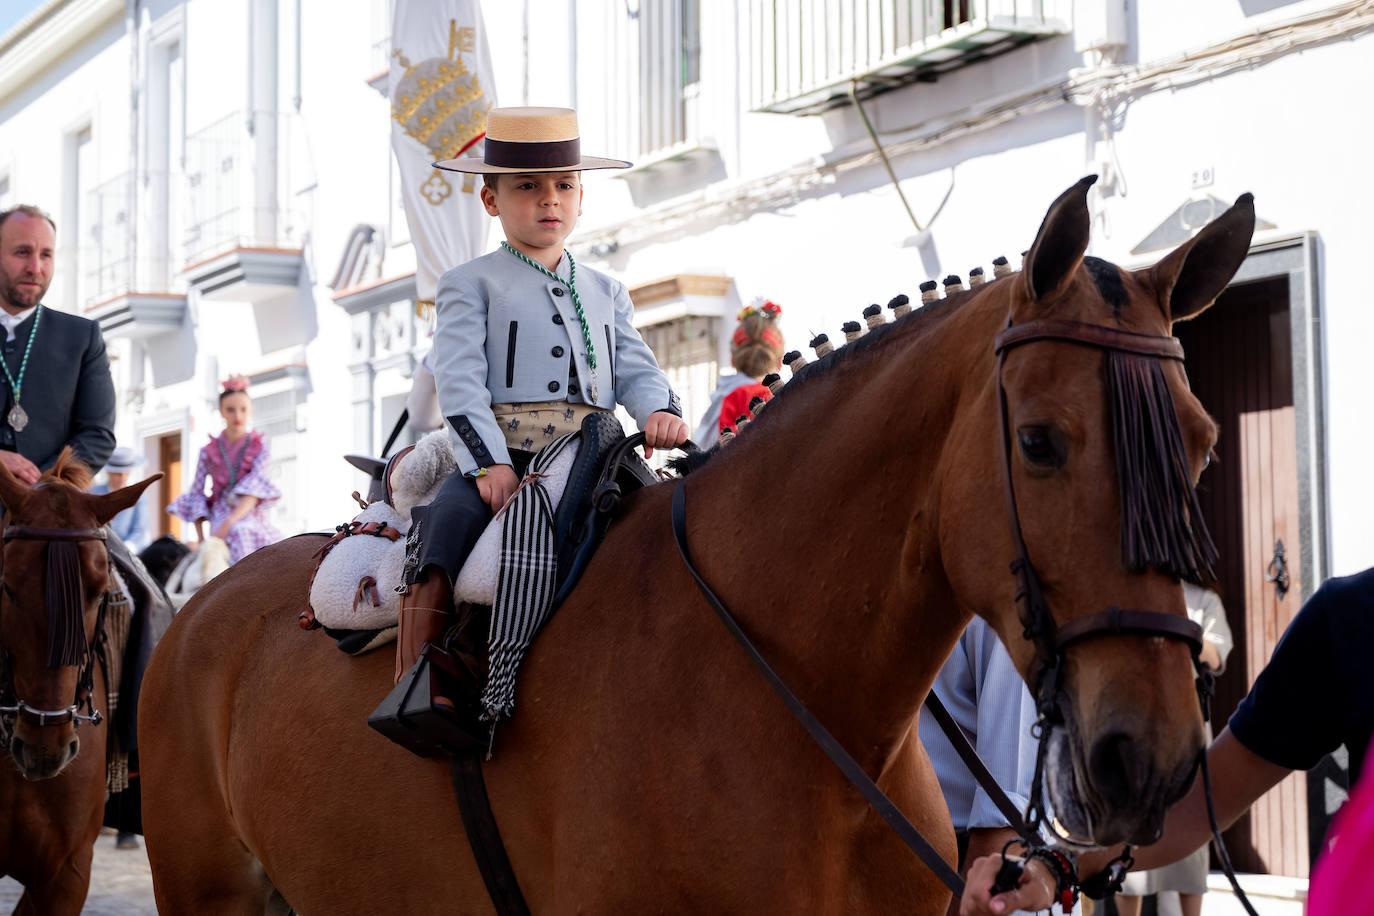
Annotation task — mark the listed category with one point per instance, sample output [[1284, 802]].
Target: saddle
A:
[[353, 593], [603, 471]]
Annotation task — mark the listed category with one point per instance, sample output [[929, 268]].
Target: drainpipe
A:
[[525, 53], [252, 65], [264, 119], [572, 53], [131, 247], [296, 37], [134, 378]]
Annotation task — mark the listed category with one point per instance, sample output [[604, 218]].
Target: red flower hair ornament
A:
[[236, 383], [768, 308]]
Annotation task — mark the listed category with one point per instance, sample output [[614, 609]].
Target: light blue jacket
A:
[[508, 334]]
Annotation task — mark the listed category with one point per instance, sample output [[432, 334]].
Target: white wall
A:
[[829, 239]]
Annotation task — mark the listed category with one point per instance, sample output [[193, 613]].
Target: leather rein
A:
[[1050, 639], [19, 709]]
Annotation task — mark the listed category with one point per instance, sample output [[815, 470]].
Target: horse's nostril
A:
[[74, 747], [1115, 766]]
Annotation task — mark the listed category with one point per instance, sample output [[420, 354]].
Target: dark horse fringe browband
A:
[[1161, 521], [66, 624]]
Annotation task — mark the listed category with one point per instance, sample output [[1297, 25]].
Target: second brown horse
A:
[[52, 781]]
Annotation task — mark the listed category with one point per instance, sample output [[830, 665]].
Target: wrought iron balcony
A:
[[125, 287], [245, 179], [249, 182], [808, 53]]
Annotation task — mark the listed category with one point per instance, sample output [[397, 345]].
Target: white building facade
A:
[[220, 173]]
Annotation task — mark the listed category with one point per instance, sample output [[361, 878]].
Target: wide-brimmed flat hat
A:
[[530, 140]]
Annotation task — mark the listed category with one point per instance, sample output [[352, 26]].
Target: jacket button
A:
[[557, 352], [558, 291], [572, 388], [557, 319], [553, 386], [465, 429]]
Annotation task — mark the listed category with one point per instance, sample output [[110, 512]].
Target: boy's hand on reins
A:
[[497, 485], [1035, 893], [663, 430]]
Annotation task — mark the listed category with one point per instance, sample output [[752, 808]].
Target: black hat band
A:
[[551, 155]]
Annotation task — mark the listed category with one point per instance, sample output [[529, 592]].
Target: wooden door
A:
[[1239, 362], [169, 463]]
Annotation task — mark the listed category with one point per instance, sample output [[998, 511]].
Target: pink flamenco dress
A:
[[234, 470]]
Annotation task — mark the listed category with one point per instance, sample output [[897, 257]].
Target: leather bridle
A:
[[1050, 638], [19, 709]]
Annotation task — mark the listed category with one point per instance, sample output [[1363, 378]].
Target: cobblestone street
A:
[[121, 884]]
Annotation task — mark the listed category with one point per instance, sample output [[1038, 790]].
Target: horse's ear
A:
[[1191, 277], [12, 490], [1060, 243], [107, 505]]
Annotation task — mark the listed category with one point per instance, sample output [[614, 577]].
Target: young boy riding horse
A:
[[526, 346]]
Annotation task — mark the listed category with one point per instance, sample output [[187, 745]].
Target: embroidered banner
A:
[[441, 88]]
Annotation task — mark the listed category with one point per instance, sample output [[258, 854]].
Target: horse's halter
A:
[[63, 578], [1050, 638]]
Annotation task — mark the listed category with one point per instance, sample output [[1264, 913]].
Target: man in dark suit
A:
[[57, 389]]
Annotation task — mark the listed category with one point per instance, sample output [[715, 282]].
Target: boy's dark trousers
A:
[[447, 530]]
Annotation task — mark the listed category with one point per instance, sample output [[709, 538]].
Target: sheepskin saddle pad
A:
[[356, 590]]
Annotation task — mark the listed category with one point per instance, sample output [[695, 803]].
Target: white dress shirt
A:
[[12, 322]]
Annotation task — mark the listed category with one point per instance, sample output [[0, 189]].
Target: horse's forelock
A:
[[70, 469]]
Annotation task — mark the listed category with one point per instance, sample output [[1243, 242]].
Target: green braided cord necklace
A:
[[17, 417], [571, 284]]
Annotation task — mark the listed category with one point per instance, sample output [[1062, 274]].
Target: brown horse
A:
[[648, 767], [54, 573]]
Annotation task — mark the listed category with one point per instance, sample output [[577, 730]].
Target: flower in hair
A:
[[771, 309], [236, 383], [745, 312]]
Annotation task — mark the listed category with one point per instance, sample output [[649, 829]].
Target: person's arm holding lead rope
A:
[[1285, 723], [1242, 777]]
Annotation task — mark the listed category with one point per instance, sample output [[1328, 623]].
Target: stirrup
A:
[[409, 717]]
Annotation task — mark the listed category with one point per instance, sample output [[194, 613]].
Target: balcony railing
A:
[[808, 53], [247, 184], [106, 257]]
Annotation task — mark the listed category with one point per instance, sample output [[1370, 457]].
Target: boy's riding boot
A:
[[426, 612], [420, 712]]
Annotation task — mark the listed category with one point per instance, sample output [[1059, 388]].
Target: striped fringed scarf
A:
[[526, 582]]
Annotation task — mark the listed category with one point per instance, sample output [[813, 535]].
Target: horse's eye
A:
[[1039, 447]]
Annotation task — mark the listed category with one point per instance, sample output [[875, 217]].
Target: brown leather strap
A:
[[1092, 335], [32, 533], [1117, 621], [484, 837]]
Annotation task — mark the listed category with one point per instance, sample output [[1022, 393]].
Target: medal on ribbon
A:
[[18, 418]]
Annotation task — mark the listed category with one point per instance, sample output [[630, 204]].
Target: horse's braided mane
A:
[[917, 321], [69, 469]]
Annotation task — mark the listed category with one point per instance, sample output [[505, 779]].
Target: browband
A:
[[1093, 335]]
